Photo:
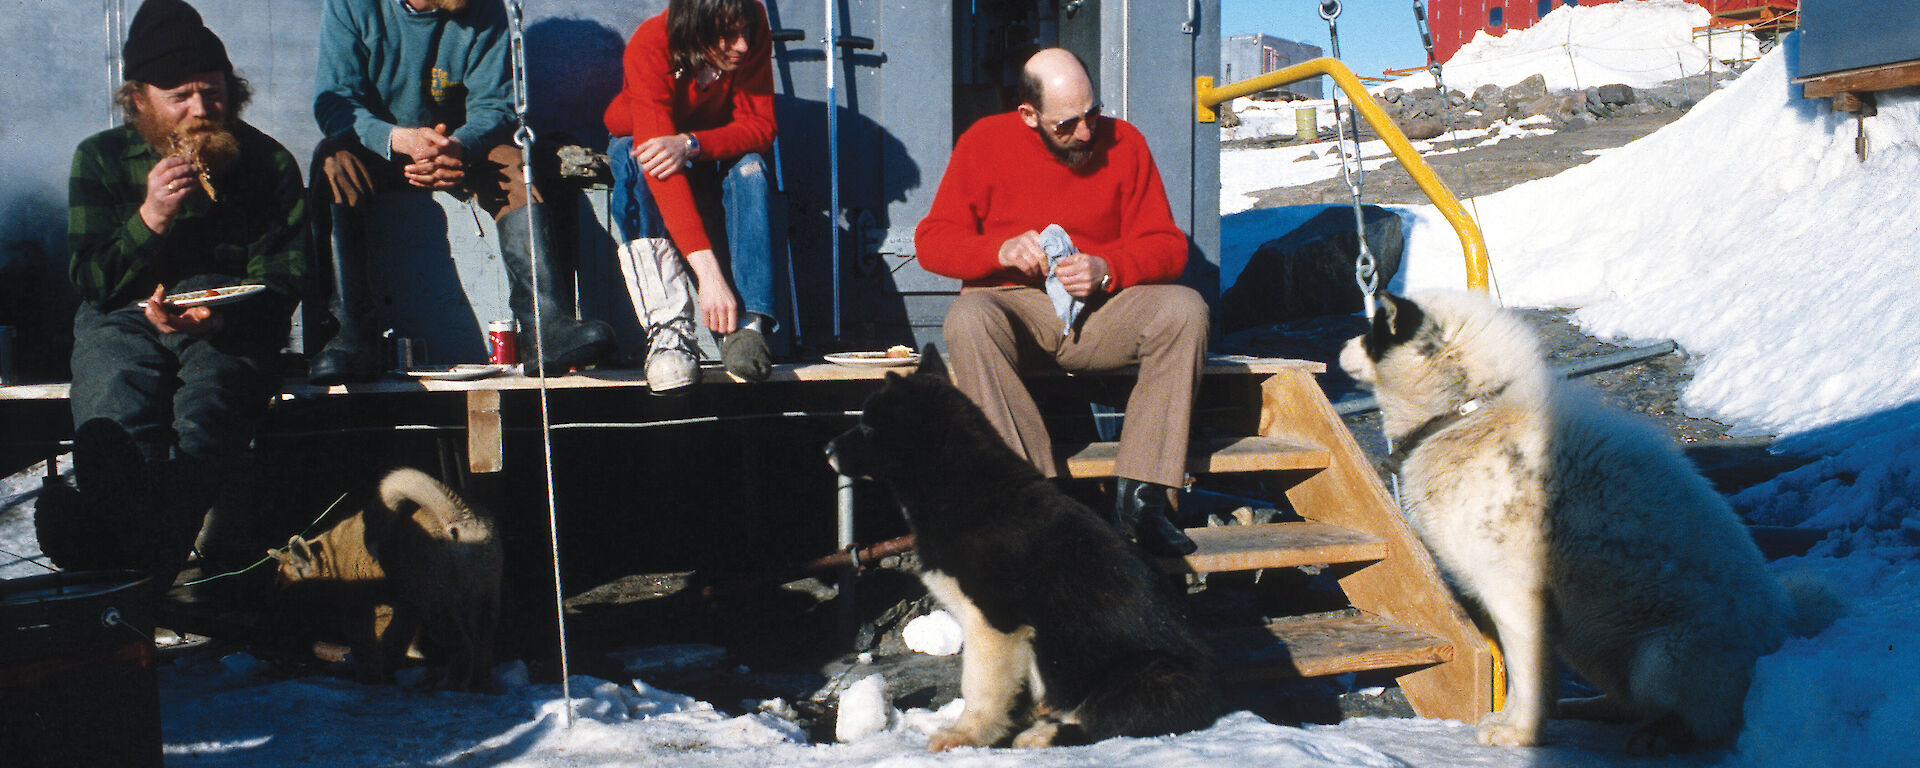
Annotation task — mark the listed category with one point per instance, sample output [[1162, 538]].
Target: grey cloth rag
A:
[[1058, 245]]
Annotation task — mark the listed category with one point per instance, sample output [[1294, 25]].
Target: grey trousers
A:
[[178, 396], [992, 333]]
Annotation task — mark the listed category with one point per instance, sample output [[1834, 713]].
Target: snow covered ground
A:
[[1641, 43], [1748, 231]]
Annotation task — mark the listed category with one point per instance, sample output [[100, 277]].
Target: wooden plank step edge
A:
[[1275, 545], [1207, 456], [1324, 644]]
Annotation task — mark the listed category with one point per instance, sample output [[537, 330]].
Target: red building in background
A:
[[1454, 22]]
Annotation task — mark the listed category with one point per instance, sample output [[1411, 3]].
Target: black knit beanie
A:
[[168, 42]]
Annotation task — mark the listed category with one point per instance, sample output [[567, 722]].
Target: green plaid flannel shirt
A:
[[257, 231]]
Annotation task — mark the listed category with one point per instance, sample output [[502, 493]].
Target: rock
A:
[[1575, 123], [1487, 94], [1531, 89], [1426, 106], [1309, 272], [1306, 157], [1496, 111], [1616, 93], [1228, 119], [1420, 128], [1393, 94]]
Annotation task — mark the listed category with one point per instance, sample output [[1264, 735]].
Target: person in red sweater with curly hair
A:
[[691, 125], [1055, 221]]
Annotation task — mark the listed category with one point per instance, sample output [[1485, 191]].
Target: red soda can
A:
[[500, 344]]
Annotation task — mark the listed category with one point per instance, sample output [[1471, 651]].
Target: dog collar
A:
[[1410, 443]]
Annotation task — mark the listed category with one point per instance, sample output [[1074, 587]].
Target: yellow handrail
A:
[[1472, 246]]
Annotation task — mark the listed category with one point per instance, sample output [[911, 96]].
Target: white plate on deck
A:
[[872, 359], [211, 296], [461, 372]]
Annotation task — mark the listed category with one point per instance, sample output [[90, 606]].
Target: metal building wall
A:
[[900, 106], [1838, 35], [1149, 54], [1245, 56]]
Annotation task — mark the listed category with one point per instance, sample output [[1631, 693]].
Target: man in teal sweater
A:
[[417, 93]]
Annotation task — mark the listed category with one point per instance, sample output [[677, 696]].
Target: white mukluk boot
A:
[[662, 293]]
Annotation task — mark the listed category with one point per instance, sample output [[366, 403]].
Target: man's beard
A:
[[213, 144], [1074, 157]]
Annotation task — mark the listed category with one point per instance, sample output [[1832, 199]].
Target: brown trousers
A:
[[992, 333]]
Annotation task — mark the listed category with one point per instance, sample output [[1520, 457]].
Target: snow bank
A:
[[1733, 231], [1641, 43]]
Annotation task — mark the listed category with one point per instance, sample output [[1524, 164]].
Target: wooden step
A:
[[1323, 644], [1274, 545], [1206, 456]]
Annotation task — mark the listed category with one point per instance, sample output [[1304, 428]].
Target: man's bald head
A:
[[1056, 101], [1055, 77]]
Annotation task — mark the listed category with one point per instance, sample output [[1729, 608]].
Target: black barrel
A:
[[78, 684]]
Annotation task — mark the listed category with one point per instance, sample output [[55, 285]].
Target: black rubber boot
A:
[[744, 352], [565, 342], [113, 499], [351, 355], [1141, 511], [71, 531]]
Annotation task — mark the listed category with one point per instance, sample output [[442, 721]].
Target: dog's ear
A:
[[1395, 320], [302, 558], [931, 362]]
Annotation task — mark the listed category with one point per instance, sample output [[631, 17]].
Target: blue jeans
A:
[[743, 191]]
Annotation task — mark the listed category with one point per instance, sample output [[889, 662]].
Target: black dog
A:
[[1052, 601]]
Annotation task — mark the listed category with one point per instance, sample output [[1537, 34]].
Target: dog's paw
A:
[[1499, 731], [952, 738], [1042, 734]]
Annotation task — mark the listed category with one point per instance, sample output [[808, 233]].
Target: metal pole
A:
[[523, 137], [833, 159]]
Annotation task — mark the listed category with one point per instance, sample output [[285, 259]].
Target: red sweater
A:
[[1002, 181], [731, 117]]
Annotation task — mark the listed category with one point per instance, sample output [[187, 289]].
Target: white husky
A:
[[1568, 525]]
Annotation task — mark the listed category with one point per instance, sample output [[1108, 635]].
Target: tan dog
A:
[[417, 560]]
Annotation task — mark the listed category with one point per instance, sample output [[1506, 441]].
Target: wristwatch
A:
[[693, 147]]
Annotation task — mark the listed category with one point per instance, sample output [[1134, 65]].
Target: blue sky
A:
[[1374, 34]]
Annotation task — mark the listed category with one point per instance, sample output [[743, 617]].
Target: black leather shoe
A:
[[1141, 512]]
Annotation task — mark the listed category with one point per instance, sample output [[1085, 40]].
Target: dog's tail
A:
[[1815, 605], [405, 490], [1152, 695]]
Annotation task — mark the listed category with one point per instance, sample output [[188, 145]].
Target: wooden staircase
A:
[[1402, 617]]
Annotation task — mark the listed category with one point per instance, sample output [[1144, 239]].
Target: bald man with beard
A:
[[1054, 196]]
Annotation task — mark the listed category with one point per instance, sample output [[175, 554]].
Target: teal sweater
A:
[[384, 67]]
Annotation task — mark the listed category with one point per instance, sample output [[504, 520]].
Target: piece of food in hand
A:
[[187, 147], [899, 350]]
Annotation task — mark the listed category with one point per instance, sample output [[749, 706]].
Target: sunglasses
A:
[[1066, 127]]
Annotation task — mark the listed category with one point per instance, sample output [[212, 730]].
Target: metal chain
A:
[[1366, 270], [523, 138]]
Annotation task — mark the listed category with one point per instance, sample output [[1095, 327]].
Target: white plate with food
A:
[[461, 372], [211, 296], [892, 358]]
